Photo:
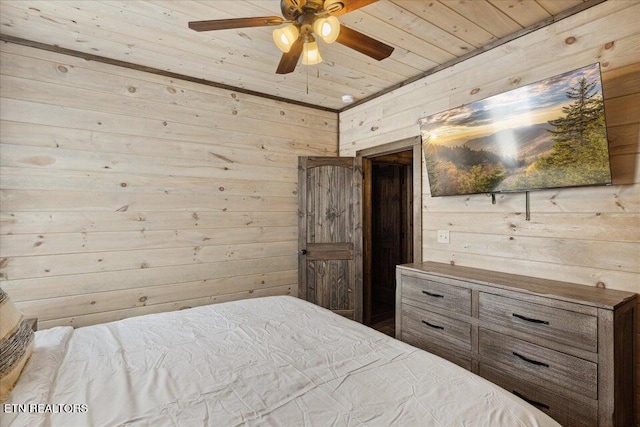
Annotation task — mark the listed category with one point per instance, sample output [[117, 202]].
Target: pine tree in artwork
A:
[[579, 153], [581, 118]]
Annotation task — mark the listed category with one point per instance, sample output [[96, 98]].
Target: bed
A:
[[276, 361]]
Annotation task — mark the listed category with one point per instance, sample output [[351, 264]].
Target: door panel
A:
[[330, 233]]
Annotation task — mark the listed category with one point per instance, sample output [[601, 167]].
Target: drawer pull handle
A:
[[528, 319], [532, 402], [433, 295], [533, 362], [432, 325]]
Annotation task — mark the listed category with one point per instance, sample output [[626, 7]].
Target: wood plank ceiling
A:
[[154, 33]]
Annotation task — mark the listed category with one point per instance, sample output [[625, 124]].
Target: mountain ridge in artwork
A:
[[530, 141]]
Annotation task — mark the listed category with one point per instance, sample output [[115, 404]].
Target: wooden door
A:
[[330, 233]]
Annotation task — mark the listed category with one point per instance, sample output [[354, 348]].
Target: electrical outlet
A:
[[443, 236]]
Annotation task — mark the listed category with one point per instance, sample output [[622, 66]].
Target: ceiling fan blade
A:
[[226, 24], [363, 43], [348, 5], [289, 60]]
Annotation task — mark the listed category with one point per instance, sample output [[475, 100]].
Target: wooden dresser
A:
[[565, 348]]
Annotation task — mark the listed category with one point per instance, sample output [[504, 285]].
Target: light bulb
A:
[[285, 37], [311, 54], [327, 28]]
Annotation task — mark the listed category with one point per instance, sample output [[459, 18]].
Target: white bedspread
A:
[[275, 361]]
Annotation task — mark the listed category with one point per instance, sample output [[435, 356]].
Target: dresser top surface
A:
[[571, 292]]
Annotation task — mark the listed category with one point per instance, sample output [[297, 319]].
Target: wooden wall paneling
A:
[[12, 222], [399, 38], [145, 53], [449, 20], [211, 165], [621, 280], [524, 13], [425, 31], [619, 227], [257, 148], [91, 303], [622, 256], [41, 179], [610, 199], [167, 194], [623, 110], [621, 139], [64, 243], [621, 81], [36, 200], [46, 67], [499, 23], [110, 316], [59, 286], [91, 262], [553, 6], [582, 235], [163, 125]]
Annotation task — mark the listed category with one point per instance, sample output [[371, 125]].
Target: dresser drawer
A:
[[549, 368], [433, 325], [564, 326], [567, 412], [432, 293]]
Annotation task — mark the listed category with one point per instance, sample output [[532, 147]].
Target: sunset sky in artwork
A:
[[531, 104]]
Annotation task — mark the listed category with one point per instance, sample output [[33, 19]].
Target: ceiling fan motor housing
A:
[[305, 22], [291, 8]]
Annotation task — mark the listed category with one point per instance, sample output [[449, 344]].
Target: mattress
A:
[[274, 361]]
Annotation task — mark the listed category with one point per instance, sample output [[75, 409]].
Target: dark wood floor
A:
[[387, 326], [383, 317]]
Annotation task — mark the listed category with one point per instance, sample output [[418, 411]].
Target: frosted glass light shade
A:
[[311, 54], [327, 28], [285, 37]]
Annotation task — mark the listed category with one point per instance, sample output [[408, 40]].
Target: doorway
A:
[[390, 234]]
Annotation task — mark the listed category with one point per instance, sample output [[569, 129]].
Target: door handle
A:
[[303, 251]]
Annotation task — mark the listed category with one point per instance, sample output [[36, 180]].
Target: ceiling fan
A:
[[306, 18]]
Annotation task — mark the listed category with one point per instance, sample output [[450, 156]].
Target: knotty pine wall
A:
[[126, 193], [586, 235]]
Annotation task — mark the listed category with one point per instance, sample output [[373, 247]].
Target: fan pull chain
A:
[[317, 76]]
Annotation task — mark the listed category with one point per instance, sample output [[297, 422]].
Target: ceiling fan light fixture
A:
[[311, 54], [327, 28], [285, 37]]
